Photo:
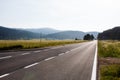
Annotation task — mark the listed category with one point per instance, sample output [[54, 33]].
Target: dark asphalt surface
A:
[[70, 62]]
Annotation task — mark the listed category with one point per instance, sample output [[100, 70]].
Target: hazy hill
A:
[[8, 33], [111, 34], [66, 35], [70, 35], [43, 30]]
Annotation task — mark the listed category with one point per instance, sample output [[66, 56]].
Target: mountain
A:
[[43, 30], [111, 34], [8, 33], [70, 35], [57, 34], [66, 35]]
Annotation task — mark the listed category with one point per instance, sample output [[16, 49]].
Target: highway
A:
[[67, 62]]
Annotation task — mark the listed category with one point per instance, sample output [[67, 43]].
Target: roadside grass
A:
[[28, 44], [109, 60], [109, 49], [110, 72]]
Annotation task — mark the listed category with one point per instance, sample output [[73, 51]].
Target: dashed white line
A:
[[61, 54], [49, 58], [46, 50], [67, 51], [75, 49], [5, 57], [4, 75], [37, 51], [25, 53], [31, 65]]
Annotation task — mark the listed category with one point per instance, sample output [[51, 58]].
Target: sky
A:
[[82, 15]]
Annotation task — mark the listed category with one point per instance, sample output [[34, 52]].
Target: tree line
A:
[[111, 34]]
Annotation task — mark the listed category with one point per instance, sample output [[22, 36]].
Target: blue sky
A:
[[83, 15]]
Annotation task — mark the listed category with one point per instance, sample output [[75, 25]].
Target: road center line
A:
[[5, 57], [30, 65], [61, 54], [25, 53], [37, 51], [45, 50], [49, 58], [67, 51], [4, 75]]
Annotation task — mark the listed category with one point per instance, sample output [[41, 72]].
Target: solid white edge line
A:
[[94, 70], [5, 57], [31, 65], [4, 75], [49, 58]]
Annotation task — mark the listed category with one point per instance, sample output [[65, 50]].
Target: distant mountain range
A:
[[66, 35], [43, 30], [11, 33], [57, 34]]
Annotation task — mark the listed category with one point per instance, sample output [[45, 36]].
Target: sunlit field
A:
[[109, 48], [109, 60], [28, 44]]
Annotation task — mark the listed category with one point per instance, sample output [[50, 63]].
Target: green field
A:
[[109, 68], [28, 44], [109, 49], [110, 72]]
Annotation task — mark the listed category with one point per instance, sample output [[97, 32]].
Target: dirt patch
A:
[[109, 61], [106, 61]]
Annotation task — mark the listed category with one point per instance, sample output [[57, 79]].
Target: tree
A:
[[88, 37], [110, 34], [92, 37], [76, 39]]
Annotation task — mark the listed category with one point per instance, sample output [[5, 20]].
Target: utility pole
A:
[[40, 37]]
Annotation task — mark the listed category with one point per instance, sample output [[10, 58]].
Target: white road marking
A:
[[5, 57], [4, 75], [25, 53], [61, 54], [31, 65], [54, 48], [49, 58], [37, 51], [67, 51], [94, 70], [46, 50], [75, 49]]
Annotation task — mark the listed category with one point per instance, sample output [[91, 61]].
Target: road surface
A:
[[68, 62]]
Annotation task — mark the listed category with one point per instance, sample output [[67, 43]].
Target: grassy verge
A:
[[28, 44], [109, 60], [109, 49], [111, 72]]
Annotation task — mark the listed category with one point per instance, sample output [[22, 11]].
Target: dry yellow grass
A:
[[109, 48], [26, 44]]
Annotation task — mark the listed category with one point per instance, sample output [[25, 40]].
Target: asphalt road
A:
[[68, 62]]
